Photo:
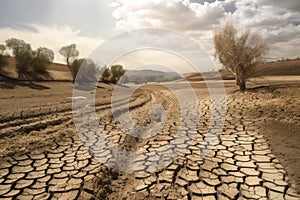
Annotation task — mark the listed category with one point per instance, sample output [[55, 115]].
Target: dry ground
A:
[[36, 123]]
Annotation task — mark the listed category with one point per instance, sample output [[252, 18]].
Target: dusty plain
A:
[[256, 155]]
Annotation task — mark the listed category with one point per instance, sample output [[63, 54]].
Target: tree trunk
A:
[[240, 81], [242, 85], [19, 72], [68, 62]]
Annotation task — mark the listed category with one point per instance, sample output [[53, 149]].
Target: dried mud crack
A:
[[239, 164]]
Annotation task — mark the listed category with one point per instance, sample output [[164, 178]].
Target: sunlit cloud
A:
[[277, 21]]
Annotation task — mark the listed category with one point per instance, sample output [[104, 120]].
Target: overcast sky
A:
[[88, 23]]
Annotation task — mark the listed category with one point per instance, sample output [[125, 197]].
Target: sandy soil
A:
[[36, 122], [278, 108]]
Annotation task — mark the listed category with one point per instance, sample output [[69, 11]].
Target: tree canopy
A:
[[87, 68], [27, 58], [43, 57], [117, 72], [22, 52], [106, 74], [70, 53]]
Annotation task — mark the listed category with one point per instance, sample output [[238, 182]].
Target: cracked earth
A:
[[181, 161]]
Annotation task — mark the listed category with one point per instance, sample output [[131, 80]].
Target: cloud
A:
[[277, 21], [293, 5], [255, 14], [53, 37], [189, 18], [164, 61], [175, 14], [273, 21]]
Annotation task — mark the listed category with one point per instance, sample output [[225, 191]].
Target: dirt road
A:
[[239, 164]]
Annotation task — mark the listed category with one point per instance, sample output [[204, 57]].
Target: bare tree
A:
[[239, 52]]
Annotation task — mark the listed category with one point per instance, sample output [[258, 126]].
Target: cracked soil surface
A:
[[252, 157]]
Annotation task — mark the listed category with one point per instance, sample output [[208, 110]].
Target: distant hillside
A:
[[278, 68], [144, 76], [225, 75], [61, 72]]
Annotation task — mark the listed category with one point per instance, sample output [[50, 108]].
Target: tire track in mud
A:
[[39, 121], [64, 171], [240, 166]]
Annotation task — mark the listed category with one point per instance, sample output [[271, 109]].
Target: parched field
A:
[[254, 155]]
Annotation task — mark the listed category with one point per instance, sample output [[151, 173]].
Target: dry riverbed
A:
[[255, 156]]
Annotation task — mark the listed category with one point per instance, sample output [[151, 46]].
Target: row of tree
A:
[[26, 58], [29, 60], [240, 53], [89, 67], [113, 74]]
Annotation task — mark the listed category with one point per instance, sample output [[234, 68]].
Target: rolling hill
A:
[[277, 68], [60, 72]]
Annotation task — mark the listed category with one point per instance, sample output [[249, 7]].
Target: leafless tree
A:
[[239, 52]]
